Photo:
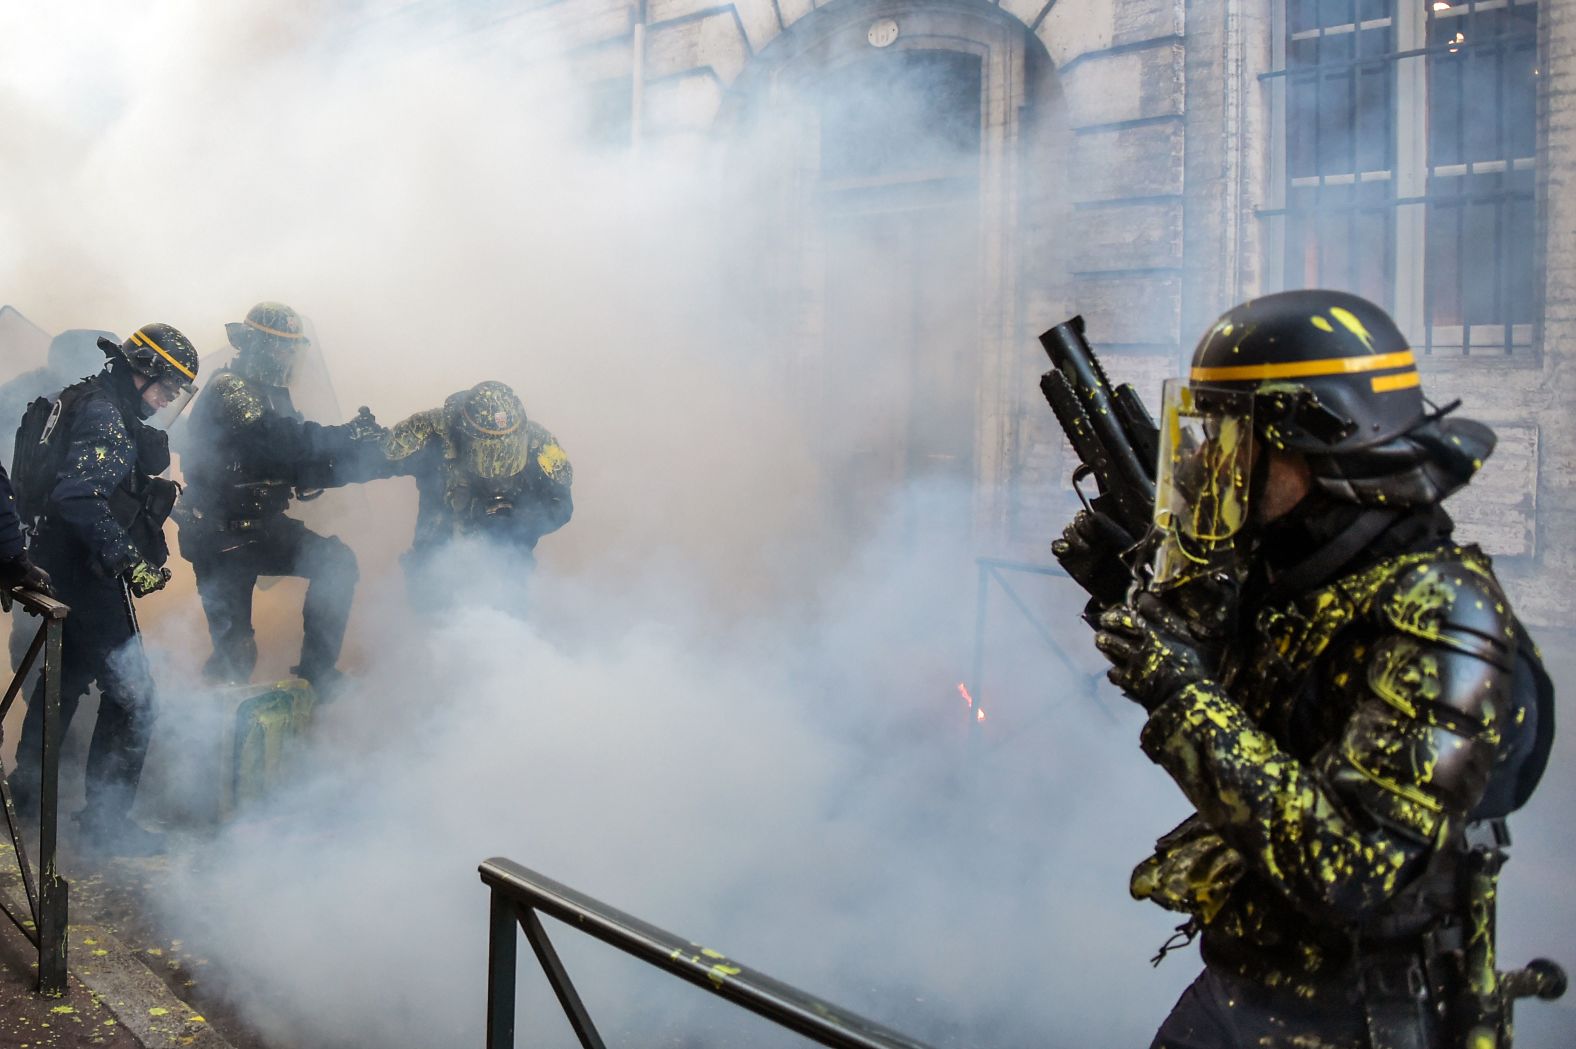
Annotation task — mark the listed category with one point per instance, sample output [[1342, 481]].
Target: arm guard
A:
[[1341, 834], [100, 455], [408, 437], [291, 450]]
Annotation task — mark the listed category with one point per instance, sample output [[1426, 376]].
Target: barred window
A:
[[1403, 159]]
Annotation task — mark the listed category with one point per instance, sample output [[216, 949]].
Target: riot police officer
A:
[[247, 455], [88, 477], [15, 568], [482, 469], [1338, 686]]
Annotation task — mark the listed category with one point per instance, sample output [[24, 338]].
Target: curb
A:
[[142, 1003]]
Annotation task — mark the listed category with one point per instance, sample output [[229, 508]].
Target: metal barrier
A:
[[991, 570], [46, 898], [518, 894]]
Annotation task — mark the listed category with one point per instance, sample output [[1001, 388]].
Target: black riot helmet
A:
[[488, 424], [156, 354], [1330, 372], [1325, 374], [271, 340]]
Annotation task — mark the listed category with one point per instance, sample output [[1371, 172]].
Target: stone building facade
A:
[[1147, 163]]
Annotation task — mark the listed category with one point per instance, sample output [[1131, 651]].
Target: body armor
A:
[[1363, 740], [231, 485], [517, 507], [92, 468]]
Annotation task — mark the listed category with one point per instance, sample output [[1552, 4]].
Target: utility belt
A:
[[217, 521], [1439, 986], [140, 506]]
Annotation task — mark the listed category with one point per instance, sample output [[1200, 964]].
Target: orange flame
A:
[[963, 690], [979, 715]]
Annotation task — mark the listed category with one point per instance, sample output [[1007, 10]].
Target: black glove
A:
[[24, 574], [1090, 550], [1153, 653], [145, 578], [364, 427]]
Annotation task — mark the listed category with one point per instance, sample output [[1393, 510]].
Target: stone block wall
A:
[[1158, 147]]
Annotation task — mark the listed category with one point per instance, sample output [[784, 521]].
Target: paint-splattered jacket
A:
[[248, 448], [518, 509], [1336, 764], [103, 483]]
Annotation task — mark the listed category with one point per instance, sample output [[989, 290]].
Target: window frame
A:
[[1412, 200]]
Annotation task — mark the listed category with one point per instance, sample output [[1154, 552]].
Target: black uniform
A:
[[1340, 689], [104, 516], [482, 470], [249, 452], [12, 546]]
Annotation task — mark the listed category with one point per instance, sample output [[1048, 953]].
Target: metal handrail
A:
[[518, 894], [47, 899]]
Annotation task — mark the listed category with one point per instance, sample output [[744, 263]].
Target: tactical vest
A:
[[229, 488], [140, 504], [1426, 956]]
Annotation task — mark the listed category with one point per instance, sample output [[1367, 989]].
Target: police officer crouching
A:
[[483, 470], [87, 474], [249, 453], [1339, 688]]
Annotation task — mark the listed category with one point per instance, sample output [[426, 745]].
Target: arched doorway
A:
[[904, 138]]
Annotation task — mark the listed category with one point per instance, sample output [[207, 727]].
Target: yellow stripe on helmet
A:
[[1305, 369], [1399, 381], [145, 340], [266, 330]]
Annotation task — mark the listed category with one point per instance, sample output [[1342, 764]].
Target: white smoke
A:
[[728, 710]]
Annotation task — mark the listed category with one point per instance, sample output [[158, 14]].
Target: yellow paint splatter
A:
[[158, 1010], [1322, 324], [552, 460], [1351, 323], [63, 1010]]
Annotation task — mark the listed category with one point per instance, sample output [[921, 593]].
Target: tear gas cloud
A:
[[730, 706]]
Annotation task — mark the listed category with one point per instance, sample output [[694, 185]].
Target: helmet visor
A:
[[274, 361], [167, 398], [497, 457], [1201, 486]]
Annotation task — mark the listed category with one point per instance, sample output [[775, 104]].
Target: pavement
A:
[[113, 999]]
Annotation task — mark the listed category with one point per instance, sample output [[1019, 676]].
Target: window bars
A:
[[1404, 166]]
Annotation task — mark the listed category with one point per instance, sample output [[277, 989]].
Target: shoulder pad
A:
[[409, 436], [1456, 603], [239, 404], [549, 455]]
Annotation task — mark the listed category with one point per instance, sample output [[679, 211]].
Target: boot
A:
[[116, 835]]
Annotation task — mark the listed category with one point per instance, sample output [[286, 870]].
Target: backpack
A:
[[36, 459]]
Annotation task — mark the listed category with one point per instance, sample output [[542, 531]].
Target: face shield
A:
[[1201, 485], [274, 361], [164, 399], [495, 457]]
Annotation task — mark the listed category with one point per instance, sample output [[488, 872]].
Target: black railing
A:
[[46, 897], [519, 895], [993, 570]]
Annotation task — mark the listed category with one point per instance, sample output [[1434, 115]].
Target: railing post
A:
[[51, 887], [503, 934]]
